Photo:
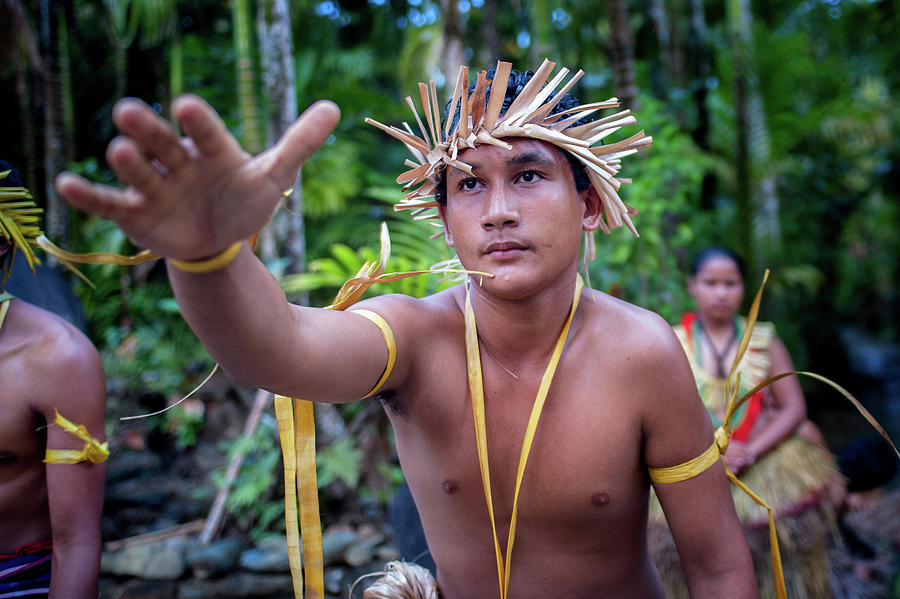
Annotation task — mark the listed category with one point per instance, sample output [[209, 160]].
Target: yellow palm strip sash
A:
[[94, 451], [284, 414], [297, 431], [476, 390]]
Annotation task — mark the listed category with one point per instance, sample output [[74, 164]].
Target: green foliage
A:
[[828, 87], [666, 188], [339, 461], [250, 500], [412, 250], [870, 261], [183, 423]]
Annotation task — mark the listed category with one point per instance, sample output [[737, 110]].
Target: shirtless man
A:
[[622, 399], [47, 365]]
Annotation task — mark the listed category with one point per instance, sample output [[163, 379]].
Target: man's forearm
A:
[[735, 583], [224, 309], [75, 570]]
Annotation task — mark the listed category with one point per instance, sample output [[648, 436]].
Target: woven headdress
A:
[[481, 122]]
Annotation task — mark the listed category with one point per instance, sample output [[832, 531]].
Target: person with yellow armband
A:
[[52, 408], [527, 408]]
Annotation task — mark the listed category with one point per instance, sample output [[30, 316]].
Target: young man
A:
[[622, 398], [49, 512]]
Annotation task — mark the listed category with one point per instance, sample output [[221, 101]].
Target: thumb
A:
[[301, 139]]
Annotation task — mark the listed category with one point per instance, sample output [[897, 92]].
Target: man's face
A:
[[518, 215]]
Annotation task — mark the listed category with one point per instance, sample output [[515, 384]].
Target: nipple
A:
[[450, 486], [599, 499]]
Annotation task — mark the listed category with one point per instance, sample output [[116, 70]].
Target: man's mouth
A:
[[502, 249]]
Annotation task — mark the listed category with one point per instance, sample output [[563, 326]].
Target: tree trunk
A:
[[176, 64], [657, 10], [757, 200], [490, 48], [452, 51], [65, 70], [286, 233], [19, 49], [621, 54], [56, 224], [251, 137], [542, 45], [698, 62]]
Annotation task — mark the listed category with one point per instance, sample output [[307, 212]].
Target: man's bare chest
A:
[[584, 464]]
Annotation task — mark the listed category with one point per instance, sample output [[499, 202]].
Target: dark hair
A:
[[514, 86], [717, 251], [12, 179]]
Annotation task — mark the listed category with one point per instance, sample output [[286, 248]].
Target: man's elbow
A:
[[731, 577]]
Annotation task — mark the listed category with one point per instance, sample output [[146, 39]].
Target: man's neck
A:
[[522, 332]]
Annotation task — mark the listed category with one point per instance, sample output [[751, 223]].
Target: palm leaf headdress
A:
[[19, 224], [531, 115]]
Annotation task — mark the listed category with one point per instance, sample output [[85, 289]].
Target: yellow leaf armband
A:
[[691, 468], [389, 340], [94, 451], [213, 264]]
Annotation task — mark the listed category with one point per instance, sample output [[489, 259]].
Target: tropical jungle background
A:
[[775, 128]]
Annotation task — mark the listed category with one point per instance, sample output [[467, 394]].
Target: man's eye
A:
[[468, 183], [528, 176]]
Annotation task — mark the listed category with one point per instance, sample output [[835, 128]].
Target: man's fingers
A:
[[94, 198], [132, 166], [153, 134], [302, 138], [201, 123]]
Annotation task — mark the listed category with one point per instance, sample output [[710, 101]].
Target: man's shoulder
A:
[[48, 334], [52, 355], [631, 326], [435, 312]]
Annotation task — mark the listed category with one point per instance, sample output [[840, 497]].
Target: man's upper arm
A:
[[241, 316], [75, 386], [699, 511], [349, 353]]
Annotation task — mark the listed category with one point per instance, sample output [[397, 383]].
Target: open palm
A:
[[191, 197]]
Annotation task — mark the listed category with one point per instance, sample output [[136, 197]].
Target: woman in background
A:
[[775, 450]]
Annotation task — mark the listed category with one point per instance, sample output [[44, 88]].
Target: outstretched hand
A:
[[190, 198]]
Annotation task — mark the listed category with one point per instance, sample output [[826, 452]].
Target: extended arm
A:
[[189, 199]]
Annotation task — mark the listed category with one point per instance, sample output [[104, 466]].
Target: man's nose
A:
[[500, 211]]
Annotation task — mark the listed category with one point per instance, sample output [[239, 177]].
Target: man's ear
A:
[[593, 209], [448, 235]]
